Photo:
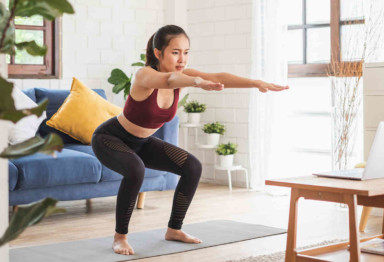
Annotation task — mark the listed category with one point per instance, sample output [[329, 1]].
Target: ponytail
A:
[[151, 58]]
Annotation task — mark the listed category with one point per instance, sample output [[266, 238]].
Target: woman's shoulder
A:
[[140, 93], [146, 69]]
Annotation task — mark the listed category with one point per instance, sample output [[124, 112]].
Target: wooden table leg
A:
[[382, 228], [290, 253], [354, 241]]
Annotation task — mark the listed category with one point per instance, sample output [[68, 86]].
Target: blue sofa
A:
[[76, 173]]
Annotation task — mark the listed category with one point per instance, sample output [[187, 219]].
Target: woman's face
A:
[[175, 55]]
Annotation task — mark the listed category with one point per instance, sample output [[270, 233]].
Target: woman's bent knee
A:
[[193, 166]]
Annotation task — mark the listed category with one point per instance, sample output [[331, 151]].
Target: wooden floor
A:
[[318, 221]]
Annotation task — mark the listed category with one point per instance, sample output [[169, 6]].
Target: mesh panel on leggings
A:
[[116, 146], [128, 213], [180, 208], [177, 155]]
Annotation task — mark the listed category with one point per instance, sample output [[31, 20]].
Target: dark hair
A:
[[160, 40]]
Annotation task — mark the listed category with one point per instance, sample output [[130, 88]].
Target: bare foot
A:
[[178, 235], [121, 246]]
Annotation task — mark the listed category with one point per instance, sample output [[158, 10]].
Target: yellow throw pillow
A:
[[82, 112]]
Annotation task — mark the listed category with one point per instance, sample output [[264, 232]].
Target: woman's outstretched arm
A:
[[233, 81], [149, 78]]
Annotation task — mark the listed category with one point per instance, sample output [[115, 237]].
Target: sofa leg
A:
[[89, 205], [15, 208], [364, 218], [140, 201]]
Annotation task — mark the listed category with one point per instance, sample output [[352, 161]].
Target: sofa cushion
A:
[[56, 98], [30, 92], [68, 168], [108, 174], [82, 112], [13, 177]]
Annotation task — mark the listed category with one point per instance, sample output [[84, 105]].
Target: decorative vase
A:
[[226, 161], [194, 118], [213, 139]]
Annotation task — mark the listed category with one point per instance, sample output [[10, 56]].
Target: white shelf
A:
[[234, 167], [205, 146], [217, 167], [190, 125]]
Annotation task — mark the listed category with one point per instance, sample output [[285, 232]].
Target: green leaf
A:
[[28, 216], [194, 107], [214, 128], [138, 64], [37, 144], [9, 37], [127, 90], [226, 149], [183, 101], [127, 87], [6, 100], [32, 48], [49, 9], [143, 57], [117, 77], [117, 88], [62, 5]]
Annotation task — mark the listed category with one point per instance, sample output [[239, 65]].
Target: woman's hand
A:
[[265, 87], [210, 86]]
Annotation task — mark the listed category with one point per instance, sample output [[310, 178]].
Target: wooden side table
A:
[[234, 168], [352, 193]]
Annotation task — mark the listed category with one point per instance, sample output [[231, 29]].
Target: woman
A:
[[125, 145]]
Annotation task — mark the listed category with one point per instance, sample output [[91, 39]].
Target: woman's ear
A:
[[157, 53]]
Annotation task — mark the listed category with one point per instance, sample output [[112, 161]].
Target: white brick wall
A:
[[100, 36], [220, 42]]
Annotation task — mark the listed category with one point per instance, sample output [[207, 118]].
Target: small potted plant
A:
[[226, 153], [194, 109], [213, 131]]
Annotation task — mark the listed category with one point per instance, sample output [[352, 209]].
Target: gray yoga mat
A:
[[146, 244]]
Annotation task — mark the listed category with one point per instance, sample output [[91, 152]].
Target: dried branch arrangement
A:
[[360, 43]]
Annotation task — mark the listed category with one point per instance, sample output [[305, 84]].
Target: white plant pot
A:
[[194, 118], [226, 161], [183, 116], [213, 139]]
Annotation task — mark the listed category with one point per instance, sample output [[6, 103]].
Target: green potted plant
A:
[[226, 153], [194, 109], [213, 131]]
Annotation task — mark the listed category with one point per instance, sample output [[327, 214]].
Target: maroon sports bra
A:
[[147, 113]]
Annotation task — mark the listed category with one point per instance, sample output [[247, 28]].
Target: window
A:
[[23, 65], [317, 35]]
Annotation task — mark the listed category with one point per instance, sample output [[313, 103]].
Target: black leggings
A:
[[129, 155]]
